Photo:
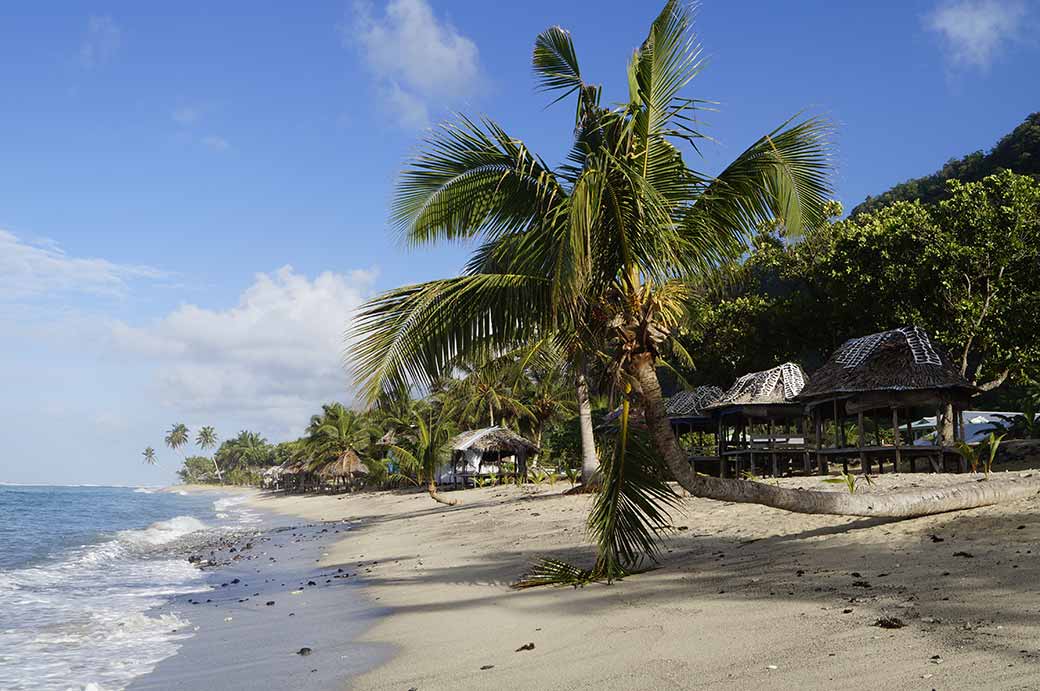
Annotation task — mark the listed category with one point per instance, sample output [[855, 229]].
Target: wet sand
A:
[[745, 596], [239, 641]]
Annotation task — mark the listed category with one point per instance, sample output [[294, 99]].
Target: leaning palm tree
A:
[[207, 439], [149, 456], [602, 248]]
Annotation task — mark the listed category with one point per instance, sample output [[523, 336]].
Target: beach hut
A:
[[759, 418], [485, 452], [271, 478], [865, 397], [343, 471]]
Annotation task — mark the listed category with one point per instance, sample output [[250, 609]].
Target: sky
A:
[[194, 197]]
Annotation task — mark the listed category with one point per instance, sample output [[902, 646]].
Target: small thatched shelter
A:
[[759, 416], [882, 382], [484, 452], [344, 470], [271, 477]]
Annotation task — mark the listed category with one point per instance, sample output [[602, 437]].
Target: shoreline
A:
[[237, 641], [745, 596]]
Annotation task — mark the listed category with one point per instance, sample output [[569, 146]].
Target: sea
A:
[[83, 568]]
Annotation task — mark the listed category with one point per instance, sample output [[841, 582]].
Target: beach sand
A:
[[745, 596]]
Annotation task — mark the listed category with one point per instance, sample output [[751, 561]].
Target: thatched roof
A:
[[273, 472], [684, 404], [778, 385], [899, 360], [347, 465], [692, 403], [493, 439]]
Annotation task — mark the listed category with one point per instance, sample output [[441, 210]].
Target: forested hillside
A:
[[1018, 151]]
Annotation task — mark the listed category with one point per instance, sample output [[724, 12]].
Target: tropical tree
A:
[[177, 437], [604, 247], [422, 445], [207, 439], [336, 431], [149, 456], [485, 388]]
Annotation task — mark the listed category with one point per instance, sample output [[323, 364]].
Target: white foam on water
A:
[[89, 612], [144, 490]]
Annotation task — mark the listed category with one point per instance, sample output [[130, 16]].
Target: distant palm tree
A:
[[177, 437], [149, 456], [207, 439]]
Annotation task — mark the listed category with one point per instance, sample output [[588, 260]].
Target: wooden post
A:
[[821, 464], [806, 461], [895, 432], [772, 449], [863, 463]]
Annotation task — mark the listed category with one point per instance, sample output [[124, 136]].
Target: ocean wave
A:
[[143, 490], [163, 532]]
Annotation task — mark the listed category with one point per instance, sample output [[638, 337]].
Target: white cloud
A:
[[101, 41], [268, 362], [975, 31], [186, 115], [216, 143], [418, 60], [36, 269]]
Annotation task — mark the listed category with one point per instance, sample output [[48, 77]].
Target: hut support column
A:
[[864, 464], [821, 463], [772, 449], [895, 433], [806, 461], [722, 447], [910, 441]]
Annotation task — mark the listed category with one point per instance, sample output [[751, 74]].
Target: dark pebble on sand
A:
[[966, 555], [889, 623], [936, 538], [487, 667], [860, 584], [304, 651], [525, 646], [311, 583], [270, 603]]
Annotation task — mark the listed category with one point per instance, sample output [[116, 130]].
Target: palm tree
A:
[[487, 386], [604, 247], [149, 456], [336, 431], [207, 439], [176, 437], [423, 444]]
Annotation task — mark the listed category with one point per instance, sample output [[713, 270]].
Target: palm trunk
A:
[[432, 489], [220, 476], [906, 504], [589, 460]]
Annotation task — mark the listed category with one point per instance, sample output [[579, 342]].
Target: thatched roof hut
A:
[[347, 466], [890, 375], [900, 366], [482, 452], [494, 440], [771, 390]]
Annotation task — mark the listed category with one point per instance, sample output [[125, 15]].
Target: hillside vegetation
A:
[[1018, 151]]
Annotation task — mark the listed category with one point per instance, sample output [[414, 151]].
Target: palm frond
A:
[[411, 335], [471, 179], [631, 509], [555, 63]]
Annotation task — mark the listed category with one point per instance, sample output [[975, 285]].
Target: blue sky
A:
[[192, 200]]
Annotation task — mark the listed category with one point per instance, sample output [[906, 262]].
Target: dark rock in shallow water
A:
[[270, 603], [304, 651]]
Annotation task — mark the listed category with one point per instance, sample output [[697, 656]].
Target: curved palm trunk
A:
[[589, 461], [220, 476], [968, 495], [432, 489]]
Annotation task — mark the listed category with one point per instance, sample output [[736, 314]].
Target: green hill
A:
[[1018, 151]]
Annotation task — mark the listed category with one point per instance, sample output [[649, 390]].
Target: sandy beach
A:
[[745, 596]]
